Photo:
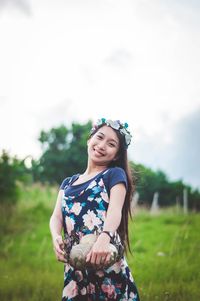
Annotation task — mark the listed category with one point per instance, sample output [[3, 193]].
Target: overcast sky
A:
[[138, 61]]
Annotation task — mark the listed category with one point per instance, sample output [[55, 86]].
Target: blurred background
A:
[[63, 65]]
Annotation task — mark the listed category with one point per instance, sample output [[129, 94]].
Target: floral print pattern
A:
[[91, 220], [84, 212]]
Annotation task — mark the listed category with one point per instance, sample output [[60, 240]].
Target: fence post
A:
[[135, 200], [185, 201], [178, 204], [155, 206]]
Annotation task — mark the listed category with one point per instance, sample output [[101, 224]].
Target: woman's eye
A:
[[111, 144], [98, 136]]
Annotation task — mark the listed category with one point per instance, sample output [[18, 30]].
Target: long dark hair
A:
[[122, 161]]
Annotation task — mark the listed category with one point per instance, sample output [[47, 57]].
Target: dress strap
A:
[[105, 171], [73, 178]]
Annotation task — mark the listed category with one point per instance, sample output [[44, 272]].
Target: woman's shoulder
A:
[[67, 181], [115, 175], [116, 170]]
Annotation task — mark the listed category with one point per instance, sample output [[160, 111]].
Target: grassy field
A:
[[165, 260]]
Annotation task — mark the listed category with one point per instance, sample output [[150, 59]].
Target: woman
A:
[[97, 201]]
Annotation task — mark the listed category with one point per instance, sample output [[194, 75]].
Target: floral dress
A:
[[84, 209]]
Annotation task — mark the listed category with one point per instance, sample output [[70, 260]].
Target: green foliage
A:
[[64, 153], [165, 261], [170, 192], [11, 171]]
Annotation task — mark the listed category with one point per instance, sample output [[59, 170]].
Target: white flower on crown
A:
[[116, 125]]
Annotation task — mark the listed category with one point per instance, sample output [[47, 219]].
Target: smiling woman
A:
[[94, 207], [103, 146]]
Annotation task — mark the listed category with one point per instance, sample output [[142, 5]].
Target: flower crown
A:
[[116, 125]]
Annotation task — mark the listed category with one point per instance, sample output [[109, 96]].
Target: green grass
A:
[[166, 256], [164, 263]]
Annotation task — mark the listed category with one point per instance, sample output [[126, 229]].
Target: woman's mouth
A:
[[98, 152]]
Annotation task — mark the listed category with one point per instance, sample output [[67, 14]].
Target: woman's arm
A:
[[114, 212], [56, 224], [112, 221]]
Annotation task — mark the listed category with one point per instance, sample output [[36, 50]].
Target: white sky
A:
[[138, 61]]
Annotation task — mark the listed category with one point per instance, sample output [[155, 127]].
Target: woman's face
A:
[[103, 146]]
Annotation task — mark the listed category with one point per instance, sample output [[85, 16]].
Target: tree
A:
[[149, 181], [64, 152], [11, 171]]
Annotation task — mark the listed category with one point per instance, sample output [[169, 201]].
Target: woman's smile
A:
[[98, 152]]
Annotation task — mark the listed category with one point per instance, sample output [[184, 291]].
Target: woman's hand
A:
[[58, 246], [100, 253]]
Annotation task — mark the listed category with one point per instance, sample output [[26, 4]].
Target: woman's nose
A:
[[101, 145]]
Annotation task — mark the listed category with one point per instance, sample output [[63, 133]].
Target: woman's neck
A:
[[94, 169]]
